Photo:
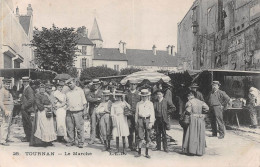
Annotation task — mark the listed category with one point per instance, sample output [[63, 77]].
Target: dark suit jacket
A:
[[93, 101], [167, 107], [133, 99], [28, 99]]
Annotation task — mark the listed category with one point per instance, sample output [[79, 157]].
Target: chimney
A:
[[124, 47], [29, 10], [172, 50], [17, 11], [121, 47], [154, 49], [169, 49]]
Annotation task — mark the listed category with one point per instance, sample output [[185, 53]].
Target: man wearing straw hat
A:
[[194, 87], [144, 119], [27, 108], [6, 105], [218, 99]]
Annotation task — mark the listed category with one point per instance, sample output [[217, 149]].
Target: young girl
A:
[[120, 126]]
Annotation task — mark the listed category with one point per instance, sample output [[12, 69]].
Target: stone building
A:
[[220, 34], [16, 32]]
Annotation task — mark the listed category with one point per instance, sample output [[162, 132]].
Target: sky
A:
[[139, 23]]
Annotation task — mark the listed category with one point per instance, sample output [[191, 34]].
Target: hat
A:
[[48, 86], [194, 85], [95, 81], [215, 82], [133, 81], [106, 93], [145, 92], [119, 93], [7, 80], [42, 85], [25, 79], [61, 83], [69, 80]]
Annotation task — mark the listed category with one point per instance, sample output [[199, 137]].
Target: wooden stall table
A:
[[235, 110]]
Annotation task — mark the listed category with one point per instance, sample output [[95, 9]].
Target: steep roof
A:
[[137, 57], [109, 54], [95, 33], [83, 40], [25, 21]]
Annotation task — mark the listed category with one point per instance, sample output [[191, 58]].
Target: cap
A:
[[106, 93], [119, 93], [215, 82], [194, 85], [42, 85], [95, 81], [61, 83], [7, 80], [133, 81], [25, 78], [145, 92], [48, 86], [69, 80]]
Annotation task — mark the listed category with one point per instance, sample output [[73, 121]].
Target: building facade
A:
[[220, 34], [16, 33]]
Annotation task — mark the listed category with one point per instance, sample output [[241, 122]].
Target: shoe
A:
[[156, 149], [221, 137], [69, 144], [166, 150], [5, 144], [9, 141], [138, 155], [24, 140], [91, 142], [252, 126], [80, 145], [148, 156]]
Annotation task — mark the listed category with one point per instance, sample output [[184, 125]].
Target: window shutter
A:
[[80, 62]]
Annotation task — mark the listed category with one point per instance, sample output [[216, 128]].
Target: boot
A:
[[124, 150], [108, 145], [105, 145], [117, 144], [146, 153], [130, 142], [139, 153]]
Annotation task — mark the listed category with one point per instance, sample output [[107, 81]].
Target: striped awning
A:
[[145, 75]]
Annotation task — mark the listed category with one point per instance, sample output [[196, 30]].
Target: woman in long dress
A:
[[194, 141], [60, 112], [119, 120], [45, 127]]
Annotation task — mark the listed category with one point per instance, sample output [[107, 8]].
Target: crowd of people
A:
[[59, 112]]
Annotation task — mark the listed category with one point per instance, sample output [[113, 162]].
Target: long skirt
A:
[[61, 122], [45, 128], [120, 126], [194, 141]]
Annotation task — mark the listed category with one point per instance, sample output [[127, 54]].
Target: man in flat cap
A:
[[27, 108], [6, 106], [218, 100], [94, 99], [76, 106], [132, 98]]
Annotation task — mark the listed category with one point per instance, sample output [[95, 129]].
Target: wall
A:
[[80, 56], [14, 36], [110, 64]]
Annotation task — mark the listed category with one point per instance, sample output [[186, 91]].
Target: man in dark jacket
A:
[[132, 98], [27, 108], [161, 108], [194, 87], [94, 99]]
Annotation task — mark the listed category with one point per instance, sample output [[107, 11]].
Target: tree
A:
[[82, 31], [55, 48], [127, 71], [73, 72], [94, 72]]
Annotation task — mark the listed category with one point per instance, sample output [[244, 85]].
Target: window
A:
[[116, 67], [84, 50], [84, 63]]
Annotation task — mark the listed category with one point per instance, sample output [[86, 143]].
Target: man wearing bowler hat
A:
[[194, 87], [218, 100], [6, 105], [132, 98], [27, 108], [94, 99]]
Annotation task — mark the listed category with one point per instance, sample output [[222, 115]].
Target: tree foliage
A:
[[127, 71], [94, 72], [55, 48]]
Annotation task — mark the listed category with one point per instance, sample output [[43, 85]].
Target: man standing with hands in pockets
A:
[[77, 106]]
